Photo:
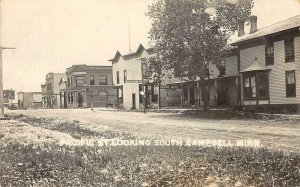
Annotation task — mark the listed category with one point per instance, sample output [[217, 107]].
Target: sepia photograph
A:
[[150, 93]]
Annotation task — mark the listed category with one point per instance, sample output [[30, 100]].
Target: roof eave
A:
[[246, 71]]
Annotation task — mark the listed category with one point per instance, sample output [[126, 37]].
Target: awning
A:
[[256, 66]]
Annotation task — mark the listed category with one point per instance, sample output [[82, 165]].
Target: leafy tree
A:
[[187, 39]]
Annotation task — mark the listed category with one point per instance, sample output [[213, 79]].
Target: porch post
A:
[[75, 99], [198, 94], [167, 96], [216, 87], [256, 89], [182, 94], [159, 104], [118, 98], [85, 97], [150, 96]]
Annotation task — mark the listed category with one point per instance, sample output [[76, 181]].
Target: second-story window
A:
[[289, 49], [68, 82], [222, 69], [118, 77], [79, 81], [125, 76], [102, 80], [269, 53], [92, 80], [49, 86]]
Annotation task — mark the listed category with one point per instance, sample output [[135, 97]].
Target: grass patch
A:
[[240, 115], [54, 165], [75, 128], [50, 164]]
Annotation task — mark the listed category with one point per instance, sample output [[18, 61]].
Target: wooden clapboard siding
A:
[[232, 66], [247, 58], [277, 79]]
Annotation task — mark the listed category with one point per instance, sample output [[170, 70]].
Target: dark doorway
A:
[[133, 102], [192, 94], [80, 100], [103, 99], [222, 95], [65, 100]]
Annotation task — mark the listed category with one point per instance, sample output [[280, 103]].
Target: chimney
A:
[[253, 22], [241, 29]]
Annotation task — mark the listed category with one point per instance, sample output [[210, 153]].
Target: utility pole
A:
[[1, 70], [1, 82]]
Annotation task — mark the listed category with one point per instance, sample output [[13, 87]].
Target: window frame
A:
[[256, 85], [92, 79], [259, 83], [102, 82], [294, 94], [249, 76], [289, 49], [68, 82], [125, 75], [79, 79], [118, 77], [222, 69], [269, 56]]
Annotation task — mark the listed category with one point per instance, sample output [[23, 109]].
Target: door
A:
[[192, 94], [222, 99], [133, 102], [65, 99], [80, 100], [103, 99]]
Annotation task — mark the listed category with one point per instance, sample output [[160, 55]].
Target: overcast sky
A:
[[51, 35]]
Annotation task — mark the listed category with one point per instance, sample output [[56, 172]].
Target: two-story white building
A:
[[269, 64], [127, 79]]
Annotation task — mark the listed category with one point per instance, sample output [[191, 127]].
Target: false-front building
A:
[[87, 86], [127, 79], [50, 90]]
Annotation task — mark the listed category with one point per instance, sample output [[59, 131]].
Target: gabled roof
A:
[[117, 56], [288, 24], [139, 50]]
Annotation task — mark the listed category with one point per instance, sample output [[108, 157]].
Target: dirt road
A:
[[270, 133]]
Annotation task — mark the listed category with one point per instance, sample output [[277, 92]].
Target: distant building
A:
[[9, 97], [63, 93], [50, 90], [87, 86], [29, 100]]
